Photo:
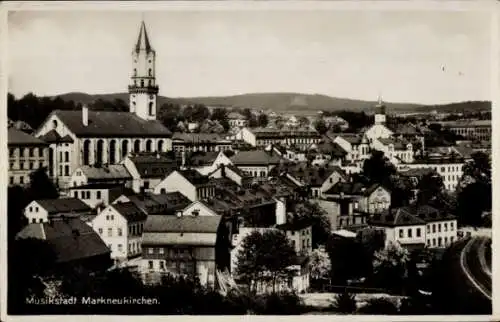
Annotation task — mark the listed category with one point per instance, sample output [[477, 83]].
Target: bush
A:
[[284, 303], [344, 303], [379, 306]]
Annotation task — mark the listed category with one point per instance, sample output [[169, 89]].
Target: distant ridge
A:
[[291, 102]]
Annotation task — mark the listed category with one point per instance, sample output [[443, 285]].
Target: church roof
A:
[[111, 124], [53, 137], [17, 137], [143, 40]]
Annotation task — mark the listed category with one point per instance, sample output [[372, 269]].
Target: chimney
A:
[[85, 115]]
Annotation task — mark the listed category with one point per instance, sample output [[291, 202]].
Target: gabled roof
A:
[[398, 144], [194, 177], [165, 204], [331, 148], [17, 137], [183, 224], [143, 40], [350, 188], [203, 158], [395, 217], [153, 165], [255, 157], [108, 172], [53, 137], [130, 211], [63, 205], [111, 124], [71, 238]]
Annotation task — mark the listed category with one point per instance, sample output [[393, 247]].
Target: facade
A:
[[257, 163], [379, 130], [185, 245], [237, 120], [46, 210], [148, 170], [356, 146], [474, 130], [107, 137], [262, 137], [451, 170], [396, 150], [107, 174], [194, 142], [417, 226], [99, 195], [120, 226], [26, 154]]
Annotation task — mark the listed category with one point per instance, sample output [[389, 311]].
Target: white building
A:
[[107, 137], [190, 183], [355, 145], [396, 150], [207, 162], [120, 226], [451, 171], [99, 194], [257, 163], [262, 137], [237, 120], [43, 210], [106, 174], [147, 170]]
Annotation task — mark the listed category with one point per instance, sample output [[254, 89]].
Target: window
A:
[[433, 241], [433, 228], [31, 209], [88, 196], [21, 165], [303, 243], [40, 152], [293, 244], [31, 152], [100, 231], [40, 165], [150, 250], [428, 242], [110, 232], [445, 227], [60, 156], [428, 229], [150, 264], [82, 194], [66, 170], [409, 232], [98, 195], [451, 239], [120, 248], [162, 250], [451, 226], [11, 180], [33, 220], [120, 232], [162, 265], [446, 241], [31, 166], [75, 194], [66, 156], [40, 220], [21, 180], [439, 228], [439, 241], [401, 233], [36, 209], [418, 232]]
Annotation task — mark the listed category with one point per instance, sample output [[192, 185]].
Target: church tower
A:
[[380, 112], [143, 90]]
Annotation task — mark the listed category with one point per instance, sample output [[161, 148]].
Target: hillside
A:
[[292, 102]]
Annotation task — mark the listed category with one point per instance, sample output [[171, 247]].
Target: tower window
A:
[[150, 72], [150, 61], [149, 83], [142, 82], [135, 71], [150, 108]]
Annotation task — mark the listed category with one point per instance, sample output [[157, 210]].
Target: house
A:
[[190, 183], [316, 179], [450, 169], [192, 142], [194, 246], [26, 154], [288, 153], [419, 227], [45, 210], [262, 137], [99, 194], [356, 146], [352, 203], [257, 163], [106, 137], [414, 176], [120, 226], [157, 204], [396, 150], [73, 242], [148, 169], [293, 121], [231, 172], [327, 152], [300, 234], [236, 119], [106, 174], [207, 162]]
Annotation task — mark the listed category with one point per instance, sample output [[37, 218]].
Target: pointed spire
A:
[[380, 102], [143, 40]]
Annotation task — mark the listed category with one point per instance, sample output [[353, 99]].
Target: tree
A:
[[320, 126], [317, 216], [390, 266], [344, 265], [344, 302], [377, 168], [262, 120], [430, 186], [380, 305], [320, 265], [480, 167], [264, 258], [41, 187]]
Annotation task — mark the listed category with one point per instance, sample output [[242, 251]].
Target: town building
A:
[[396, 150], [148, 169], [73, 241], [355, 145], [114, 174], [257, 163], [194, 246], [46, 210], [479, 130], [99, 195], [107, 137], [237, 120], [26, 154], [207, 162], [120, 226], [417, 227], [193, 142], [262, 137], [167, 204], [190, 183]]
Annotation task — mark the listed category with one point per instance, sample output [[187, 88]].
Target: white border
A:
[[487, 6]]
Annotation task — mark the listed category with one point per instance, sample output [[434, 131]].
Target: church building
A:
[[97, 138]]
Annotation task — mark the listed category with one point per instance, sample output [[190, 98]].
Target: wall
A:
[[34, 211], [447, 236], [176, 182], [109, 218]]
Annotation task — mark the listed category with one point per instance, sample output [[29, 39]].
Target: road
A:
[[475, 267]]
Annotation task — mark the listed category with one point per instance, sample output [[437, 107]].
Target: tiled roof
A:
[[406, 129], [203, 158], [176, 238], [53, 137], [17, 137], [165, 204], [410, 215], [350, 188], [153, 166], [256, 157], [295, 225], [63, 205], [130, 211], [114, 190], [262, 133], [111, 124], [194, 177], [108, 172], [183, 224], [143, 40], [71, 238], [310, 175], [331, 148]]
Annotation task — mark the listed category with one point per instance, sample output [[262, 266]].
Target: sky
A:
[[350, 54]]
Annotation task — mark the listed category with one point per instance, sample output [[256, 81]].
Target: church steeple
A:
[[143, 40], [380, 117], [143, 90]]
